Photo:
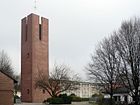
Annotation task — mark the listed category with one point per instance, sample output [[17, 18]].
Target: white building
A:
[[121, 95], [85, 90]]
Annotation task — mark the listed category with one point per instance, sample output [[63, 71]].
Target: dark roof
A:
[[121, 90], [15, 81]]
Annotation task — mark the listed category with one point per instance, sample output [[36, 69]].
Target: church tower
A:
[[34, 56]]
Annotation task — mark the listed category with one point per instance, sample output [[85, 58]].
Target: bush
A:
[[72, 95], [76, 99], [66, 99], [61, 99], [85, 99], [106, 101], [45, 101], [97, 99], [16, 97], [56, 100], [48, 100]]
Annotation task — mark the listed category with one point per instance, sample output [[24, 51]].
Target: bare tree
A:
[[127, 43], [118, 59], [17, 86], [5, 63], [59, 81], [103, 66]]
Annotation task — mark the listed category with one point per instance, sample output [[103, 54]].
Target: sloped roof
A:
[[121, 90], [15, 81]]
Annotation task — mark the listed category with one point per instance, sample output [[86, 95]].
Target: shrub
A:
[[85, 99], [61, 99], [72, 95], [16, 97], [106, 101], [45, 101], [66, 99], [76, 99], [56, 100], [97, 99]]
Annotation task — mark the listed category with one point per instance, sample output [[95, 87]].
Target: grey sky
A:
[[75, 27]]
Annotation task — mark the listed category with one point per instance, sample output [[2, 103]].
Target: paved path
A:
[[74, 103], [80, 103]]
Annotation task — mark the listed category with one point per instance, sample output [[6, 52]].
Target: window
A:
[[26, 32], [28, 91], [28, 55], [43, 91], [40, 31]]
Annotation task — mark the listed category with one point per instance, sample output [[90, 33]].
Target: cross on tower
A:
[[35, 5]]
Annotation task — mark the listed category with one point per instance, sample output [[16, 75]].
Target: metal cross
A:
[[35, 6]]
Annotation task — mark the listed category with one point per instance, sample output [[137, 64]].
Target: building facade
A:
[[84, 90], [6, 89], [34, 56], [122, 95]]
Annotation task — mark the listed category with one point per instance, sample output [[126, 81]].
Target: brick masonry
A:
[[34, 56], [6, 90]]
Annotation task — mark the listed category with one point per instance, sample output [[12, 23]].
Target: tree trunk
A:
[[136, 98], [111, 99], [54, 94], [111, 93]]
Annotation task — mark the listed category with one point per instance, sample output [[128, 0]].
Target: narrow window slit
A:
[[40, 31], [26, 32], [43, 91], [28, 91]]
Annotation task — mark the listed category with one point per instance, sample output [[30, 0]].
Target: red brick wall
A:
[[26, 60], [34, 56], [6, 90]]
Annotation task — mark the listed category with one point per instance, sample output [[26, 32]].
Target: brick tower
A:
[[34, 56]]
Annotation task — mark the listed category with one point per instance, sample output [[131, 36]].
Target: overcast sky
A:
[[75, 27]]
